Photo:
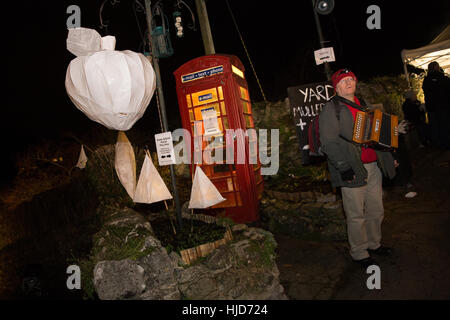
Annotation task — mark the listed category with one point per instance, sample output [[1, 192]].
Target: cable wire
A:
[[102, 25], [246, 51], [137, 21], [159, 113]]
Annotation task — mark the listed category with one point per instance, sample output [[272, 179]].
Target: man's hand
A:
[[396, 164], [349, 181], [348, 175]]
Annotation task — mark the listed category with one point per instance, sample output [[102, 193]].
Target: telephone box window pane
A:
[[223, 185], [219, 121], [198, 110], [237, 71], [216, 141], [206, 170], [230, 184], [247, 97], [236, 185], [225, 123], [191, 115], [246, 107], [248, 121], [188, 99], [220, 92], [239, 201], [222, 107], [216, 107], [219, 168], [198, 128], [242, 92], [204, 97], [198, 113]]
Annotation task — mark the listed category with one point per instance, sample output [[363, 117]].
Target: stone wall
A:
[[306, 215], [389, 91], [242, 269], [277, 115]]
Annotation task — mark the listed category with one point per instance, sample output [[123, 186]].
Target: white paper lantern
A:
[[204, 193], [82, 159], [150, 187], [111, 87], [125, 164]]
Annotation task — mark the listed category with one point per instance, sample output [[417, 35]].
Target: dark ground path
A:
[[418, 230]]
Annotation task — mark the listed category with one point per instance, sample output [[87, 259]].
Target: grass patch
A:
[[121, 243], [265, 251], [184, 238], [110, 244]]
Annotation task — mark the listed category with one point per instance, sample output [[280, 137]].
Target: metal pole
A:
[[204, 27], [155, 61], [405, 69], [319, 31]]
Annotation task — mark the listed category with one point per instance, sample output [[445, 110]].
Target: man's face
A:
[[346, 87]]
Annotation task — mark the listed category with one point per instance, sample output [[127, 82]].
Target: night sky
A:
[[280, 36]]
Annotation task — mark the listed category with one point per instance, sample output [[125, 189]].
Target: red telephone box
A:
[[217, 81]]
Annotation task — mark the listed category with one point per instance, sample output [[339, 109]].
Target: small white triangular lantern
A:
[[203, 194], [125, 163], [82, 159], [150, 187]]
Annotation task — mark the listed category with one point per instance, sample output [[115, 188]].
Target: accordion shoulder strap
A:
[[351, 103]]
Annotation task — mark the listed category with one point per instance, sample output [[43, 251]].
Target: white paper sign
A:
[[324, 55], [164, 148], [210, 123]]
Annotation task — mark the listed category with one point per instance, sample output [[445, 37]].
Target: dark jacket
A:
[[436, 87], [343, 154], [412, 112]]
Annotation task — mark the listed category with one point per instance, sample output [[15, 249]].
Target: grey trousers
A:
[[364, 213]]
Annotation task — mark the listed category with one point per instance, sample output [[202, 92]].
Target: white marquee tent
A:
[[437, 50]]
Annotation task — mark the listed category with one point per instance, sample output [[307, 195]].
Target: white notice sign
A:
[[164, 148], [210, 123], [324, 55]]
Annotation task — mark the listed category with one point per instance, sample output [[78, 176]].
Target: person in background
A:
[[357, 170], [436, 87], [415, 115]]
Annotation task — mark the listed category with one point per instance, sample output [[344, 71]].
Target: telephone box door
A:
[[211, 109]]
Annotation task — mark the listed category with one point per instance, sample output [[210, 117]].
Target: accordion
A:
[[376, 128]]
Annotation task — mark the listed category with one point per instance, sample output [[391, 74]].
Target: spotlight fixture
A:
[[324, 7]]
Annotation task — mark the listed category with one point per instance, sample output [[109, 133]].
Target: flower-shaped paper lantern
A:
[[111, 87]]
